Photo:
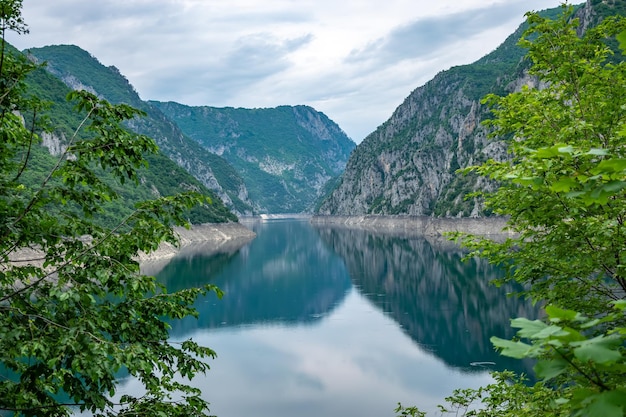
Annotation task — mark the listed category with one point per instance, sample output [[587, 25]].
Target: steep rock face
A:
[[56, 144], [210, 169], [80, 70], [408, 165], [286, 154]]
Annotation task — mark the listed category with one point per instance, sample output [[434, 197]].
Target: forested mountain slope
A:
[[286, 154], [161, 178], [80, 70], [408, 165]]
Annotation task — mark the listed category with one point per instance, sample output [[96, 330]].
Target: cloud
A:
[[251, 60], [423, 38], [260, 55], [355, 60]]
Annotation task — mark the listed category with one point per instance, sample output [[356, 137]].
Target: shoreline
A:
[[207, 238], [418, 225], [203, 238], [207, 234]]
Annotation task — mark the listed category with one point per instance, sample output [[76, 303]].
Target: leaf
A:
[[614, 187], [621, 38], [548, 369], [557, 314], [598, 152], [606, 404], [533, 182], [601, 349], [566, 149], [511, 349], [564, 184], [553, 151], [528, 328], [590, 323], [553, 331], [610, 166]]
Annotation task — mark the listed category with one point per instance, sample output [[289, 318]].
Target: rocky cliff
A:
[[162, 177], [286, 155], [409, 164]]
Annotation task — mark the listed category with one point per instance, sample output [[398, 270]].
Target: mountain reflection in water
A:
[[292, 275], [286, 276], [337, 322], [446, 305]]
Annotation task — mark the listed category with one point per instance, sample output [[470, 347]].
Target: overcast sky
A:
[[354, 60]]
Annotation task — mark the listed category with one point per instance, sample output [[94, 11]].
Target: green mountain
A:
[[257, 160], [286, 155], [408, 165], [162, 177], [80, 70]]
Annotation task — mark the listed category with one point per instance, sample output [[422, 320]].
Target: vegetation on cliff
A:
[[80, 70], [409, 164], [286, 155], [161, 177]]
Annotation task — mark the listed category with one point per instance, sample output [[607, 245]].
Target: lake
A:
[[334, 322]]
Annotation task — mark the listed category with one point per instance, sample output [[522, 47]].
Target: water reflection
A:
[[285, 275], [293, 274], [338, 322], [446, 305]]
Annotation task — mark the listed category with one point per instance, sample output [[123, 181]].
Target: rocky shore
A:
[[200, 239], [417, 225], [204, 238]]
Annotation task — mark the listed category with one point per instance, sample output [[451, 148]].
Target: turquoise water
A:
[[327, 322]]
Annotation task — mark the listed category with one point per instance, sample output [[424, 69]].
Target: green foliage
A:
[[509, 395], [563, 188], [582, 358], [161, 176], [74, 308], [409, 411]]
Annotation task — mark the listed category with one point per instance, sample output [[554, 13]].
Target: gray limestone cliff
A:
[[408, 166]]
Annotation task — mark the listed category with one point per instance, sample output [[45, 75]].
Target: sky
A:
[[353, 60]]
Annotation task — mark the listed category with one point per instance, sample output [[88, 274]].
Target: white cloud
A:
[[355, 60]]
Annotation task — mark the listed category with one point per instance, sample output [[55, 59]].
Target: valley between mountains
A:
[[295, 159]]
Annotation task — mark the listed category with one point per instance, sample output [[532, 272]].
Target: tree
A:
[[563, 186], [564, 190], [74, 308]]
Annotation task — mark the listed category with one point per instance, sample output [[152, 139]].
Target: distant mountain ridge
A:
[[257, 160], [408, 165], [285, 154]]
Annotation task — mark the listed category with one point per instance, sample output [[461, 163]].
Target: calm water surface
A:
[[331, 322]]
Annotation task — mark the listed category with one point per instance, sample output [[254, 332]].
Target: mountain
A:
[[80, 70], [257, 160], [161, 178], [408, 165], [286, 155]]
